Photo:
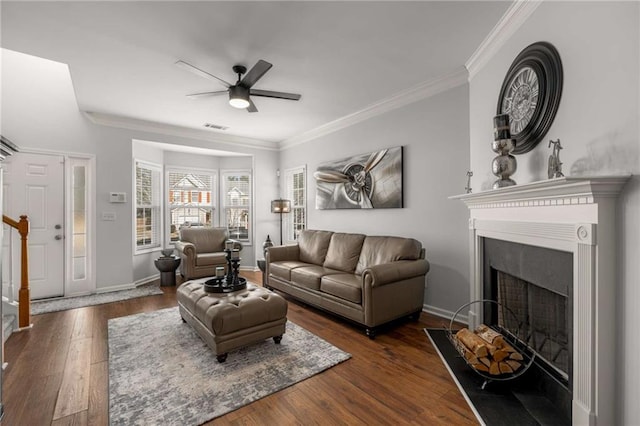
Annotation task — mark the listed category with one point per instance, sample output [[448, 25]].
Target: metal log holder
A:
[[527, 353], [229, 283]]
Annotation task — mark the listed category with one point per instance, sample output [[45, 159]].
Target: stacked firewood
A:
[[486, 350]]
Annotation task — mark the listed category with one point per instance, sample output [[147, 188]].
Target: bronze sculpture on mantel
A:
[[554, 169]]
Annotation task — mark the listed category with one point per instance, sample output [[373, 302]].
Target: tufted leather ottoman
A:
[[229, 321]]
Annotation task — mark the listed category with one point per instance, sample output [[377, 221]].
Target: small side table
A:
[[262, 265], [167, 266]]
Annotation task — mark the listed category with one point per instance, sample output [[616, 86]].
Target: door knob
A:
[[58, 226], [58, 237]]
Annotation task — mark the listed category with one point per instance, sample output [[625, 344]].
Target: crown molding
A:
[[122, 122], [414, 94], [516, 15]]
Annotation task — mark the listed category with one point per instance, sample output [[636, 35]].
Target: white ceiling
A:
[[341, 56]]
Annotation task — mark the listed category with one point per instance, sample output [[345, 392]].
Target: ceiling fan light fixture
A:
[[238, 97]]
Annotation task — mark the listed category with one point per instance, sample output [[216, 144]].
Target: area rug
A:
[[63, 304], [161, 372]]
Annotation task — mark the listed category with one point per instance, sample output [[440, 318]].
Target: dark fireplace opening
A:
[[537, 317], [533, 288]]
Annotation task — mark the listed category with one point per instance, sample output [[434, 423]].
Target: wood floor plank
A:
[[74, 390], [97, 413], [61, 367]]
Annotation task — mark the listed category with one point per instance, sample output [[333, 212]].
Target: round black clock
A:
[[530, 94]]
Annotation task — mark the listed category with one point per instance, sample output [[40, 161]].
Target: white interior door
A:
[[34, 185]]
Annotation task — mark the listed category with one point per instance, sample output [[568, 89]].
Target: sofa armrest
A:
[[278, 253], [379, 275], [185, 249]]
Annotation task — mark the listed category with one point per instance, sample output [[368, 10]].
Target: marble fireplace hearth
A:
[[576, 216]]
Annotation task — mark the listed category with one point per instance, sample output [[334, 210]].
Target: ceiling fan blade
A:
[[252, 107], [272, 94], [198, 71], [255, 73], [206, 94]]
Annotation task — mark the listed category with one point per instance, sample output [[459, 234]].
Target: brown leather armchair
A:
[[202, 250]]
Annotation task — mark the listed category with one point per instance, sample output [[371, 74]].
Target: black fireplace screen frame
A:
[[546, 268]]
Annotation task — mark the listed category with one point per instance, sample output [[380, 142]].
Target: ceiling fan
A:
[[241, 92]]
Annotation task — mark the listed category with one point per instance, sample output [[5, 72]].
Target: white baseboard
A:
[[444, 313], [116, 288]]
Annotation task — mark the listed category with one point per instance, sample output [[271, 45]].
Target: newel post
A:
[[24, 296]]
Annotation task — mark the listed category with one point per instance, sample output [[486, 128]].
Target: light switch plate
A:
[[110, 216]]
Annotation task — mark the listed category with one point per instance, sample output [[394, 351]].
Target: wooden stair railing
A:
[[24, 296]]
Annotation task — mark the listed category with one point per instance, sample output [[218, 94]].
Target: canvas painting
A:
[[366, 181]]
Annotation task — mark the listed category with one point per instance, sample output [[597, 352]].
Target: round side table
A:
[[167, 266]]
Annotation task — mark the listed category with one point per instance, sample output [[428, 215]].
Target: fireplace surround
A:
[[574, 215]]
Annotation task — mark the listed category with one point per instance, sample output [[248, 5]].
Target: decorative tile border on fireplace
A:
[[574, 215]]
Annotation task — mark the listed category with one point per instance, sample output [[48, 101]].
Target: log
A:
[[494, 368], [500, 355], [476, 344], [516, 356], [490, 335], [515, 365], [505, 368]]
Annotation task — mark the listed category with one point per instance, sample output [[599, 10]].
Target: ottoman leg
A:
[[222, 357], [277, 339]]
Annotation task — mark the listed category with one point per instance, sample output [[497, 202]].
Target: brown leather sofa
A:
[[202, 250], [371, 280]]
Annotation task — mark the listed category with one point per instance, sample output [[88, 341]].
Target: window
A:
[[236, 193], [296, 190], [148, 206], [191, 199]]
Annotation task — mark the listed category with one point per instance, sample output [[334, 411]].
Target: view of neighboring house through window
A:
[[236, 190], [191, 199], [296, 191], [148, 206]]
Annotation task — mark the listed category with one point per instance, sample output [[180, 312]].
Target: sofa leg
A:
[[277, 339], [183, 320], [371, 332], [415, 317], [222, 357]]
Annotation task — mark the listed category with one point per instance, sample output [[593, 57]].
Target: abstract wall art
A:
[[366, 181]]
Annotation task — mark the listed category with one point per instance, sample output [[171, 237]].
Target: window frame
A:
[[213, 173], [223, 202], [289, 185], [157, 204]]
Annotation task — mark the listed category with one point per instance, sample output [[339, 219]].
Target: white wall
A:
[[434, 133], [39, 112], [598, 125]]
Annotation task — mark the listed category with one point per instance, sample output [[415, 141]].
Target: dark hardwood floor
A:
[[58, 373]]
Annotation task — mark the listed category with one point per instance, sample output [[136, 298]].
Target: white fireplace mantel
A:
[[575, 215]]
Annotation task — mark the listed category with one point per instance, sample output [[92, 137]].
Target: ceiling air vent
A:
[[215, 126]]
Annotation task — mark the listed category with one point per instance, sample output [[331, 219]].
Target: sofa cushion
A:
[[205, 239], [344, 251], [344, 286], [314, 245], [379, 250], [310, 276], [282, 269], [206, 259]]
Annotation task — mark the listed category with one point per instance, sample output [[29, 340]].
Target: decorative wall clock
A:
[[530, 94]]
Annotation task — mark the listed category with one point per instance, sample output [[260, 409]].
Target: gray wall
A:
[[434, 133], [598, 125]]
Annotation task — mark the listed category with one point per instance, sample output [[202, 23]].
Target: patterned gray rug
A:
[[161, 372], [54, 305]]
